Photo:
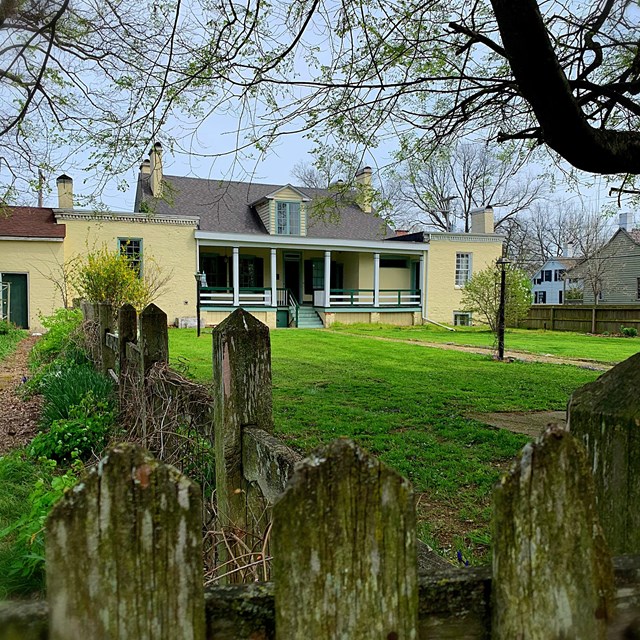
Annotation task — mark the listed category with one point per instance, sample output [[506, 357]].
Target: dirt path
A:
[[524, 356], [18, 419]]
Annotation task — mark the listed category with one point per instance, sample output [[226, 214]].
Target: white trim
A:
[[28, 274], [127, 216], [466, 237], [211, 239], [273, 195], [31, 239], [376, 279]]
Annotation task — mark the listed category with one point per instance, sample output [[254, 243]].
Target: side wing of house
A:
[[31, 255], [163, 244], [453, 258]]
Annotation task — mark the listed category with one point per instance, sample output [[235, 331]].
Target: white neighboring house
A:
[[548, 286]]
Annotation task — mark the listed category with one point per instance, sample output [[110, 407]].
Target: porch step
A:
[[309, 319]]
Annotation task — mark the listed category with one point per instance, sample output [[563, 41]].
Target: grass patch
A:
[[9, 339], [407, 406], [558, 343]]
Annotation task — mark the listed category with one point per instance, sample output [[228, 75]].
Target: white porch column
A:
[[236, 276], [421, 278], [376, 279], [274, 282], [327, 278]]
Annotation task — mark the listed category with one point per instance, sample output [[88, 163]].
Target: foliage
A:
[[481, 295], [105, 275], [27, 493], [9, 338], [68, 386], [83, 434], [61, 338], [629, 332]]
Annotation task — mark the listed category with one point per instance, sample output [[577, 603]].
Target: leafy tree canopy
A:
[[481, 296], [107, 76]]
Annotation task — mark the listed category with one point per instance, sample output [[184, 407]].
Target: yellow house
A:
[[269, 249]]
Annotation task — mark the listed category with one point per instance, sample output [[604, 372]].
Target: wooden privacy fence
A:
[[124, 547], [582, 318]]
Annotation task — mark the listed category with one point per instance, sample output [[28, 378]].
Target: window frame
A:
[[136, 264], [463, 275], [284, 226], [461, 314]]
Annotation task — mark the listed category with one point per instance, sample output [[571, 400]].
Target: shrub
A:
[[629, 332], [61, 339], [67, 386], [80, 436], [105, 275], [481, 295], [27, 493]]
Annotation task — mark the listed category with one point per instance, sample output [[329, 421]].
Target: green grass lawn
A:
[[558, 343], [9, 342], [407, 406]]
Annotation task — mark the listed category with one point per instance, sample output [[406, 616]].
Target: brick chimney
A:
[[363, 180], [145, 167], [65, 192], [155, 169], [482, 220]]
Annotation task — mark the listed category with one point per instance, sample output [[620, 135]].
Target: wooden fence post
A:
[[604, 415], [154, 337], [242, 397], [552, 573], [127, 332], [124, 554], [344, 556], [105, 322]]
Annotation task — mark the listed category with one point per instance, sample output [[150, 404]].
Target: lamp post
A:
[[201, 281], [502, 263]]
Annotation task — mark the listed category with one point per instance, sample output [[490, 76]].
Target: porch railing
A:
[[223, 296], [366, 298]]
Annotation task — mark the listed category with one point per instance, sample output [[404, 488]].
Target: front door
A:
[[292, 280], [15, 298]]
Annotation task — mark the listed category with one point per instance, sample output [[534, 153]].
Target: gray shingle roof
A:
[[224, 206]]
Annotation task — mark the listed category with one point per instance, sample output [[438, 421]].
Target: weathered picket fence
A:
[[124, 547]]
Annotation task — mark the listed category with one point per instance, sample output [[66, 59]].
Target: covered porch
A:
[[283, 280]]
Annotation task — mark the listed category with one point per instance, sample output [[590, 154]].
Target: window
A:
[[393, 262], [547, 275], [251, 272], [558, 275], [559, 297], [132, 249], [461, 319], [540, 297], [463, 269], [288, 218]]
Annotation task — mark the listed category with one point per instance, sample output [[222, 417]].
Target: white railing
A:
[[251, 296], [366, 297]]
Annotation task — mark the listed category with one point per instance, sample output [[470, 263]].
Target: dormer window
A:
[[288, 218]]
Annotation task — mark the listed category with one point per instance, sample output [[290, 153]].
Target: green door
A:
[[16, 298]]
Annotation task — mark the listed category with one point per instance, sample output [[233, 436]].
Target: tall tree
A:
[[441, 188]]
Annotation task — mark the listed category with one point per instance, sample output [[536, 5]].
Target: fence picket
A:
[[552, 573], [344, 550], [124, 554]]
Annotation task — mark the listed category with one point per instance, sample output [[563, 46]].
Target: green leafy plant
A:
[[629, 332], [105, 275], [61, 338], [29, 492], [68, 386], [6, 327], [481, 295], [83, 434]]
